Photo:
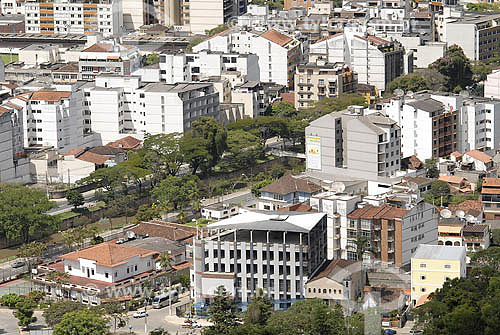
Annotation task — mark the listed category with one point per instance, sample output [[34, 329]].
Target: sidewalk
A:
[[242, 193]]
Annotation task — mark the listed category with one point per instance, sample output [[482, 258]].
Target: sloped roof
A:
[[299, 207], [106, 150], [475, 228], [277, 37], [126, 143], [378, 212], [444, 252], [467, 206], [99, 47], [428, 104], [456, 154], [50, 96], [4, 110], [479, 155], [329, 37], [491, 182], [171, 231], [373, 39], [91, 157], [330, 268], [452, 179], [108, 254], [288, 184]]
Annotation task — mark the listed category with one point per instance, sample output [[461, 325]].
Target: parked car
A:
[[18, 264], [416, 332], [140, 314], [390, 332]]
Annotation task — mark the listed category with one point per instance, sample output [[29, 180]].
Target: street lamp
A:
[[146, 315]]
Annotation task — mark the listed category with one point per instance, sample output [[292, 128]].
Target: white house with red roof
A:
[[106, 270], [477, 160]]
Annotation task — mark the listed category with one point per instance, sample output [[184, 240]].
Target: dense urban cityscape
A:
[[249, 167]]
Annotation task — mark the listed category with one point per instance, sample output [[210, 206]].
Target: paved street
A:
[[8, 323], [7, 271]]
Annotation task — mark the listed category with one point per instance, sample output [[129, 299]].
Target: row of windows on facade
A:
[[63, 8], [324, 290], [274, 269], [272, 283], [90, 271], [424, 265], [253, 254]]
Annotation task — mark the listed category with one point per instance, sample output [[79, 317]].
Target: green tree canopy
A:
[[431, 168], [22, 212], [456, 67], [75, 198], [25, 309], [439, 189], [195, 151], [284, 109], [222, 314], [54, 313], [243, 149], [162, 154], [329, 105], [82, 322], [175, 193], [215, 138], [412, 82], [152, 58]]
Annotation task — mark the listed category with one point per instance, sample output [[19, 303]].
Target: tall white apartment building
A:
[[54, 118], [74, 17], [176, 68], [429, 124], [278, 53], [134, 14], [14, 166], [12, 7], [207, 14], [376, 61], [366, 145], [117, 106]]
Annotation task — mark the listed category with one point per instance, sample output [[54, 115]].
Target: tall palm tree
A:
[[165, 261], [361, 245], [59, 278]]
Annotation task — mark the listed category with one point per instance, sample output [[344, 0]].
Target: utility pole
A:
[[69, 183], [146, 315]]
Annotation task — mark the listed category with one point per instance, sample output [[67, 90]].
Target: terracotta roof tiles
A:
[[491, 182], [331, 267], [478, 155], [277, 37], [50, 96], [288, 184], [108, 254], [452, 179], [126, 143]]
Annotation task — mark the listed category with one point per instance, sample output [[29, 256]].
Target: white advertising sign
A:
[[313, 152]]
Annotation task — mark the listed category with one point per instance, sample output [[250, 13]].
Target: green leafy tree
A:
[[31, 252], [112, 179], [456, 67], [490, 256], [284, 109], [495, 237], [185, 281], [158, 331], [431, 168], [243, 149], [194, 42], [152, 58], [215, 137], [361, 246], [22, 213], [147, 213], [115, 313], [77, 236], [83, 322], [439, 189], [256, 187], [260, 309], [296, 131], [10, 300], [329, 105], [24, 312], [412, 82], [175, 193], [195, 151], [308, 317], [162, 154], [222, 314], [59, 278], [217, 30], [55, 312], [75, 198]]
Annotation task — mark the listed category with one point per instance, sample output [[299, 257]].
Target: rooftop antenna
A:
[[445, 213], [410, 94]]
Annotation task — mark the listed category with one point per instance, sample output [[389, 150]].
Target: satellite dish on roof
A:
[[410, 94], [338, 187], [130, 234], [460, 214], [464, 94], [470, 218], [445, 213], [399, 92]]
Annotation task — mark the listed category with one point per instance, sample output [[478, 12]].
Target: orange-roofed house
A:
[[457, 184], [102, 271], [477, 160], [490, 197]]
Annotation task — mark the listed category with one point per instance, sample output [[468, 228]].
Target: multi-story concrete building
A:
[[490, 197], [274, 251], [394, 233], [180, 67], [368, 144], [108, 58], [476, 33], [317, 81], [74, 17], [278, 53], [14, 167], [118, 106], [492, 85], [207, 14], [429, 124], [376, 61], [432, 266], [134, 14], [12, 7]]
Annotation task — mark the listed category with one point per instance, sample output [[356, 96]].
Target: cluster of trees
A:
[[307, 317], [468, 305], [22, 213], [23, 306]]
